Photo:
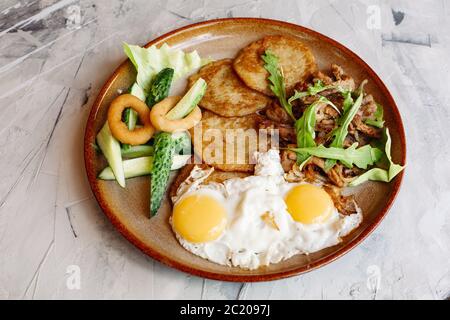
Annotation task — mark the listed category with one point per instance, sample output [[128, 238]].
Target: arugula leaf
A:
[[361, 157], [313, 90], [348, 101], [378, 174], [378, 121], [340, 133], [305, 127], [277, 81], [361, 87]]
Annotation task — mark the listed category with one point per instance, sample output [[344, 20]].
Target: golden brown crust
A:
[[294, 57], [214, 152], [226, 94]]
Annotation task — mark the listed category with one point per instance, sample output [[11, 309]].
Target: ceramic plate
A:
[[128, 209]]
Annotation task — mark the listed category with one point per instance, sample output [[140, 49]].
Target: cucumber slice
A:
[[160, 87], [131, 115], [182, 142], [132, 168], [137, 91], [179, 161], [137, 151], [111, 150], [189, 101], [164, 152], [142, 167]]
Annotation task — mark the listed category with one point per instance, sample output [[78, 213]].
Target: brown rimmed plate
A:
[[128, 208]]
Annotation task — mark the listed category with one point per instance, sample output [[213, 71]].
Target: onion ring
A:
[[160, 122], [119, 129]]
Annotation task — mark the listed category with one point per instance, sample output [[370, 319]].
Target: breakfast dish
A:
[[256, 157], [295, 59], [227, 95], [254, 221]]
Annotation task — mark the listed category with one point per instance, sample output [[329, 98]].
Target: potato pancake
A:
[[226, 94], [294, 57], [226, 144]]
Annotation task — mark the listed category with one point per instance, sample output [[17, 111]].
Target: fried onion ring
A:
[[119, 129], [160, 121]]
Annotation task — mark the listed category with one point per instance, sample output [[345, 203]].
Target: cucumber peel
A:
[[164, 152], [132, 168], [137, 151], [160, 87], [112, 152], [189, 101]]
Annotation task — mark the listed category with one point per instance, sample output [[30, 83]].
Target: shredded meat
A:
[[364, 128], [286, 132], [339, 175], [346, 205], [319, 75], [325, 118], [276, 113], [368, 107], [288, 159], [339, 79]]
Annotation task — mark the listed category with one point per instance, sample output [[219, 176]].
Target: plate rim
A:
[[92, 178]]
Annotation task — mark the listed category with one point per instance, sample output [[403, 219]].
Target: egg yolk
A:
[[199, 218], [309, 204]]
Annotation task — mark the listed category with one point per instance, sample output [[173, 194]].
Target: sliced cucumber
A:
[[182, 142], [189, 101], [179, 161], [142, 167], [137, 151], [132, 168], [160, 87], [111, 150], [137, 91], [164, 152], [131, 116]]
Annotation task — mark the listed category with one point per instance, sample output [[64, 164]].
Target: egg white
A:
[[248, 241]]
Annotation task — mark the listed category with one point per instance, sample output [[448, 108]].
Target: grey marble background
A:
[[55, 56]]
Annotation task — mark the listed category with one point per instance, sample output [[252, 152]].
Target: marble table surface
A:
[[55, 243]]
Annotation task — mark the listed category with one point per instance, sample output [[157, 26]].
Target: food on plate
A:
[[164, 152], [212, 144], [159, 116], [118, 127], [227, 95], [160, 86], [241, 198], [215, 176], [258, 220], [183, 116], [142, 166], [296, 61], [137, 151], [189, 101], [110, 148], [151, 61]]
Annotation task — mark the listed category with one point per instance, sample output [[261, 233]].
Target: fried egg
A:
[[257, 220]]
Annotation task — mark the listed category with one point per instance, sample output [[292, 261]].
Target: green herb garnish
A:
[[378, 174], [378, 121], [277, 81], [361, 157]]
